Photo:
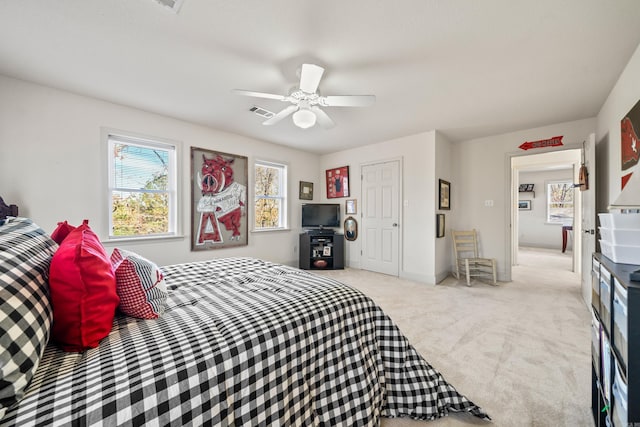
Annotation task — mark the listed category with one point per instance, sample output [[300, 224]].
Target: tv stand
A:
[[321, 250], [320, 231]]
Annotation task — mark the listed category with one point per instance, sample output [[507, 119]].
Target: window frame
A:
[[283, 196], [547, 184], [110, 137]]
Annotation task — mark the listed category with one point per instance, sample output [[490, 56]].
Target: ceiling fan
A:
[[306, 101]]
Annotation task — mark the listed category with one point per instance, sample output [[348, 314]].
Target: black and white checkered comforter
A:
[[243, 342]]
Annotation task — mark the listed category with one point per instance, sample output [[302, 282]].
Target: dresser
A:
[[615, 344]]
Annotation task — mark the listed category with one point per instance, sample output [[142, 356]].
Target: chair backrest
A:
[[465, 244]]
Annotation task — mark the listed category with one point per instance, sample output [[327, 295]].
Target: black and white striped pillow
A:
[[25, 308]]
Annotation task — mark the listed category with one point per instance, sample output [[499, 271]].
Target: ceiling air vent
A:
[[261, 112], [172, 5]]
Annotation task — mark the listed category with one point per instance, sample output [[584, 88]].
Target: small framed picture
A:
[[440, 227], [351, 207], [350, 228], [306, 190], [444, 193], [326, 251], [524, 205]]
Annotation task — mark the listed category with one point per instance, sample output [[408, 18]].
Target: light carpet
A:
[[520, 350]]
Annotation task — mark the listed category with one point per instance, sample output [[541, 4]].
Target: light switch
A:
[[488, 203]]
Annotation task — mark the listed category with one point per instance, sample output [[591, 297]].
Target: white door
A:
[[588, 235], [380, 217]]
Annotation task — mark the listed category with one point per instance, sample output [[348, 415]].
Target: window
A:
[[270, 196], [142, 187], [560, 202]]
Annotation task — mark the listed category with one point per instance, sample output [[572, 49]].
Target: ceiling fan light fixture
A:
[[304, 118]]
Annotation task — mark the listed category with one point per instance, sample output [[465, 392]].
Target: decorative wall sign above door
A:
[[555, 141]]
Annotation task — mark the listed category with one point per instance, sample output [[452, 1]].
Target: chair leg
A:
[[466, 268], [493, 268]]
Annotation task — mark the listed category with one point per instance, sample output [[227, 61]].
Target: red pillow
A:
[[83, 291], [62, 230]]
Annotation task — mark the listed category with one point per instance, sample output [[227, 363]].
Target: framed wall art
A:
[[350, 228], [337, 182], [440, 226], [351, 207], [444, 195], [629, 130], [218, 199], [524, 205], [306, 190]]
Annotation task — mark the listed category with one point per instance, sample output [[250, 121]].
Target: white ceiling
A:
[[468, 68]]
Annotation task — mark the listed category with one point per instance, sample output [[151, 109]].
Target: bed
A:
[[241, 341]]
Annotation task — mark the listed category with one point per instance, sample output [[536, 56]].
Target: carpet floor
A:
[[520, 350]]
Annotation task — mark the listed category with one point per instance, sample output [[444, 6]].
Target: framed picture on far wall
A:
[[306, 190], [440, 225], [351, 207], [338, 182], [524, 205], [444, 195]]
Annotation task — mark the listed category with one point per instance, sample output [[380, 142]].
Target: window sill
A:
[[150, 239], [268, 230]]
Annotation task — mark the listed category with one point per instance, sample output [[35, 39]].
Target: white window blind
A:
[[142, 187]]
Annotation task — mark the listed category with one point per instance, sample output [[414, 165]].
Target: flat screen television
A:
[[320, 215]]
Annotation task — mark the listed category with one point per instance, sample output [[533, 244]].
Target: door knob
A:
[[395, 224]]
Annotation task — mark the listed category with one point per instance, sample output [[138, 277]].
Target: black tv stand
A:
[[321, 250], [320, 231]]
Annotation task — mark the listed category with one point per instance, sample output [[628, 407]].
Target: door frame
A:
[[399, 160], [511, 190]]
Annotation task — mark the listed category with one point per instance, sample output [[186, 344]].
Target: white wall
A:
[[533, 228], [481, 172], [417, 225], [52, 165], [622, 98]]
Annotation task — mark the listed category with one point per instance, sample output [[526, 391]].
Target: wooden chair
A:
[[468, 262]]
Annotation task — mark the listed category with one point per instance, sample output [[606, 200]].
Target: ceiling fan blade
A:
[[260, 94], [310, 76], [348, 100], [281, 115], [323, 118]]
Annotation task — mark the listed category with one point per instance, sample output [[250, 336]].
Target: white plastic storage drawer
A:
[[595, 285], [620, 253], [605, 299], [620, 332], [595, 272], [620, 403], [605, 369], [620, 236], [595, 343], [620, 220]]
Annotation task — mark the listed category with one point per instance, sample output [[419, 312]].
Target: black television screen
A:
[[320, 215]]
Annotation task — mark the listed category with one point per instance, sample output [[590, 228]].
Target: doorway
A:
[[539, 222]]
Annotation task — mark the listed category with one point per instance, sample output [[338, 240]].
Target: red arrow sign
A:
[[551, 142]]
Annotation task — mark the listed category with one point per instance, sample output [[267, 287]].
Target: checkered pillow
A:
[[25, 309], [139, 284]]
